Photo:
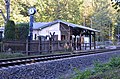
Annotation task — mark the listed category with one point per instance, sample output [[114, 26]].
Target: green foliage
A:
[[117, 25], [22, 31], [114, 62], [116, 5], [102, 19], [16, 32], [47, 10], [82, 75], [68, 10], [10, 30], [109, 70], [8, 55], [100, 68]]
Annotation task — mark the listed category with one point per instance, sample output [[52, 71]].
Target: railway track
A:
[[33, 59]]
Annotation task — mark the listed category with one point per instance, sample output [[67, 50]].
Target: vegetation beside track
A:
[[11, 55], [109, 70]]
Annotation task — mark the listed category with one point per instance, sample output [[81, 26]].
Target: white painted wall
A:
[[47, 30], [35, 32], [86, 40], [2, 29]]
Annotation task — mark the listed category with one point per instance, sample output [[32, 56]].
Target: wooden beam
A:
[[80, 41], [90, 40], [94, 36]]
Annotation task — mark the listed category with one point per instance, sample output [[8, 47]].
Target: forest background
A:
[[97, 14]]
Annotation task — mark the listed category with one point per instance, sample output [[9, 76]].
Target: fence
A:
[[38, 46], [35, 46]]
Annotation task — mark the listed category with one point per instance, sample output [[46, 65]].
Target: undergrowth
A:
[[109, 70], [10, 55]]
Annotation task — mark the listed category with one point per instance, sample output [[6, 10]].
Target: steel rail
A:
[[33, 59]]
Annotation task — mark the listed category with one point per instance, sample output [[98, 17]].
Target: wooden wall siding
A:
[[66, 30]]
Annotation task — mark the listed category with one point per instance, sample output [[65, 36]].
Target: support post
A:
[[27, 47], [50, 45], [94, 35], [80, 42], [90, 40], [75, 41]]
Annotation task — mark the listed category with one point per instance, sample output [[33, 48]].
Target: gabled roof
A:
[[41, 25], [38, 25]]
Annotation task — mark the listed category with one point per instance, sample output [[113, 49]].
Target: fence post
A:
[[27, 47], [40, 45], [1, 45], [58, 46], [50, 45]]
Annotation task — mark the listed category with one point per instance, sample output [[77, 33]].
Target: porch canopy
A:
[[78, 26], [79, 30]]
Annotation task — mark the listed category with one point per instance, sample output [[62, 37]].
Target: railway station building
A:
[[74, 34]]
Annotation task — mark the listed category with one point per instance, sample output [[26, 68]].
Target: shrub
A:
[[82, 75], [109, 70], [22, 31], [10, 30], [114, 62]]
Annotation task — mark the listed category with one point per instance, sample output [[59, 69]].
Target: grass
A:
[[110, 74], [109, 70], [10, 55]]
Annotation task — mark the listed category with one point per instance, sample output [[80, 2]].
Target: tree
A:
[[116, 4], [102, 19], [47, 10], [68, 10], [10, 30]]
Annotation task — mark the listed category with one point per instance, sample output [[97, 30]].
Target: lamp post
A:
[[31, 12]]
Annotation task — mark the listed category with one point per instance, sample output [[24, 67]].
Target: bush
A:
[[108, 70], [114, 62], [10, 30], [22, 31], [82, 75]]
